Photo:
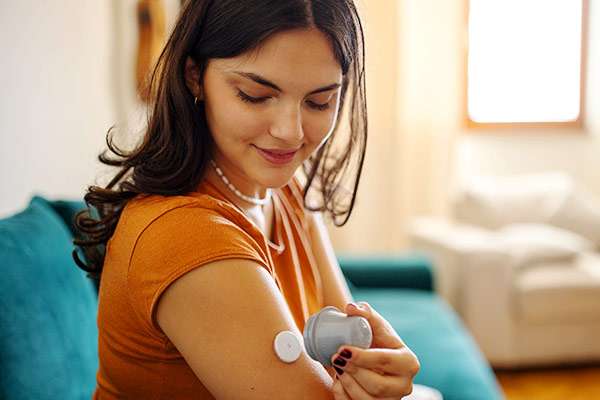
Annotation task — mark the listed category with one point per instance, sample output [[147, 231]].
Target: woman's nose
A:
[[288, 126]]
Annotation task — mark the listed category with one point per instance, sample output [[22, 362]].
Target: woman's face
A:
[[285, 97]]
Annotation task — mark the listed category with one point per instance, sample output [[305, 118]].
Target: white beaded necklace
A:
[[253, 200]]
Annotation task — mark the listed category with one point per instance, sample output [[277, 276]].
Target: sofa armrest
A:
[[449, 245], [476, 274], [488, 302], [406, 270]]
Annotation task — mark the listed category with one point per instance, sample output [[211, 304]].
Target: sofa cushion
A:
[[493, 202], [560, 292], [580, 213], [544, 198], [450, 360], [67, 209], [48, 334], [534, 243]]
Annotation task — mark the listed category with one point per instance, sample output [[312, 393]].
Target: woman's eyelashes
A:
[[256, 100], [250, 99]]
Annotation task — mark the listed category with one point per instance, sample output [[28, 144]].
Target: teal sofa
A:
[[48, 309]]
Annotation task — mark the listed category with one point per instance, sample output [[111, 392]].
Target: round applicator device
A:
[[330, 328]]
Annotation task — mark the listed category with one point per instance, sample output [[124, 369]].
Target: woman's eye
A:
[[317, 106], [249, 99]]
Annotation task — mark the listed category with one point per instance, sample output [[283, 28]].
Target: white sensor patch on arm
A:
[[287, 346]]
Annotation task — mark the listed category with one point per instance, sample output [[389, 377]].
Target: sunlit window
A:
[[524, 61]]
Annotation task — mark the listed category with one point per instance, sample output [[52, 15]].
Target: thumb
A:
[[384, 335], [360, 309]]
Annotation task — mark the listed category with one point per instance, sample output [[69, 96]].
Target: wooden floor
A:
[[573, 383]]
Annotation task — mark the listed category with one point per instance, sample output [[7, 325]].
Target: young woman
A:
[[208, 248]]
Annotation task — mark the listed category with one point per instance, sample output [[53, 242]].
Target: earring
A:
[[195, 101]]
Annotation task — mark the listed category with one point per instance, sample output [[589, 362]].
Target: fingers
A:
[[375, 384], [398, 362], [386, 370], [338, 391], [352, 388], [384, 335], [361, 308]]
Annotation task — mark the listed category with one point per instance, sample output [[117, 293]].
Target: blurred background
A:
[[484, 135], [69, 72]]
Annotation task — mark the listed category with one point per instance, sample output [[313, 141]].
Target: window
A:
[[525, 63]]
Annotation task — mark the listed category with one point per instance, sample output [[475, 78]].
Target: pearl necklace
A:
[[253, 200]]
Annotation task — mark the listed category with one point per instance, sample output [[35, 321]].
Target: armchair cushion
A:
[[545, 198], [493, 202], [564, 292], [534, 243], [580, 213]]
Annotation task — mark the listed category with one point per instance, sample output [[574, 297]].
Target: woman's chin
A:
[[277, 182]]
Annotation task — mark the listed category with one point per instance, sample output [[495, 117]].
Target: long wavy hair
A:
[[172, 157]]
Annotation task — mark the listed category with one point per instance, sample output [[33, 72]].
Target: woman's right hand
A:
[[384, 371]]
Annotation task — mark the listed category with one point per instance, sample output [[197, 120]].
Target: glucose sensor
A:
[[287, 346]]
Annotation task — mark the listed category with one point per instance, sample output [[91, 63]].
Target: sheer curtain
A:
[[415, 52]]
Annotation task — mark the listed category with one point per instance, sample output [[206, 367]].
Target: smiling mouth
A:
[[278, 152], [281, 158]]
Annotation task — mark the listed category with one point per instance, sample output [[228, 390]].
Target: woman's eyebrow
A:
[[259, 79]]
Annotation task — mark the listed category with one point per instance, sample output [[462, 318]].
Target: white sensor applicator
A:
[[330, 328]]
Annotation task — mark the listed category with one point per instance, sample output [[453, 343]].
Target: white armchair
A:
[[519, 262]]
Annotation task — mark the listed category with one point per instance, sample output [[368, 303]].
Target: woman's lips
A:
[[279, 158]]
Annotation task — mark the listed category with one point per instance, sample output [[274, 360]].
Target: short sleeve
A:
[[177, 242]]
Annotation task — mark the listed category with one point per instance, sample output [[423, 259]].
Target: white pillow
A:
[[534, 243], [494, 202], [579, 213]]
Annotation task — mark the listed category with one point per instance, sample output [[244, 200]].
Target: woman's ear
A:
[[192, 78]]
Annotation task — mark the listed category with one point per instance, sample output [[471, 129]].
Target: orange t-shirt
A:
[[160, 238]]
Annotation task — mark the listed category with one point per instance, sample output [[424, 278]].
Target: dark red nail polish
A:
[[339, 371], [346, 354], [339, 361]]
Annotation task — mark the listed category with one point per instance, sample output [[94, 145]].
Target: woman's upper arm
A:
[[336, 291], [223, 318]]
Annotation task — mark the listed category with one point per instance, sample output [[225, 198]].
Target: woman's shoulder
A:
[[146, 208], [176, 216], [182, 230]]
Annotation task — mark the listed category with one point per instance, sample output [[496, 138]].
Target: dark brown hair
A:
[[172, 157]]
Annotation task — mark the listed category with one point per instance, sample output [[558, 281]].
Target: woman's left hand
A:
[[384, 371]]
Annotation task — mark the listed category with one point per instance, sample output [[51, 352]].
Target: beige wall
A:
[[376, 185], [57, 96], [413, 85], [66, 74]]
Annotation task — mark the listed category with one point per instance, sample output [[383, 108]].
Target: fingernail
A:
[[339, 361], [339, 371], [354, 305], [346, 354]]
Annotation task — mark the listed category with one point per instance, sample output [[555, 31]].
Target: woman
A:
[[208, 248]]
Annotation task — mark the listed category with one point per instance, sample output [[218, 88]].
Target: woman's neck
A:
[[254, 212]]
